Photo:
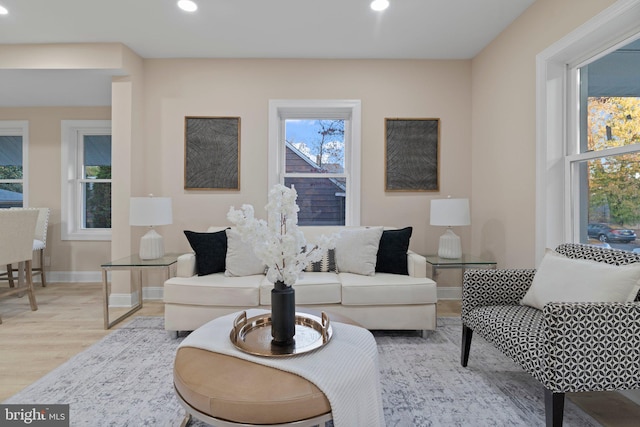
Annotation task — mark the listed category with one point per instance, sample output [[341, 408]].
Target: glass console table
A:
[[467, 261], [132, 263]]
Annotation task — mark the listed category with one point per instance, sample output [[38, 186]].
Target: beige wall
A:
[[178, 88], [44, 181], [503, 129], [151, 161], [486, 107]]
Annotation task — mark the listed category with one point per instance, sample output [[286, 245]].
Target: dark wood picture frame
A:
[[412, 154], [211, 153]]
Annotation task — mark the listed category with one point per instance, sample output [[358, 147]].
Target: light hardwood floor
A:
[[69, 319]]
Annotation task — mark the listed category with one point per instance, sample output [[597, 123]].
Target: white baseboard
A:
[[123, 300], [152, 293], [74, 276], [149, 293], [452, 292]]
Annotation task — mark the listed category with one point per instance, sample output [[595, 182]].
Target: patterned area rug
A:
[[126, 380]]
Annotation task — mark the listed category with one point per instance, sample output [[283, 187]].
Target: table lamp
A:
[[449, 213], [150, 211]]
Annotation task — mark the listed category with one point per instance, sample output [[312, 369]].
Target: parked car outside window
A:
[[606, 233]]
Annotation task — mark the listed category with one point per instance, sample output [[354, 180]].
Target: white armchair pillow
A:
[[562, 279]]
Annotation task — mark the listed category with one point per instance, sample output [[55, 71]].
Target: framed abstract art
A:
[[212, 153]]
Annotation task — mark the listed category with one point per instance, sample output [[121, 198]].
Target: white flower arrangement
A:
[[278, 242]]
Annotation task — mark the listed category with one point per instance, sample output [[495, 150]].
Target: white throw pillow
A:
[[357, 250], [562, 279], [241, 260]]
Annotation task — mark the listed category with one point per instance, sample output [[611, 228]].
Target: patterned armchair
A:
[[568, 347]]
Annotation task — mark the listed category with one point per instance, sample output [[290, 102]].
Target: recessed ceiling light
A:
[[3, 10], [379, 5], [187, 5]]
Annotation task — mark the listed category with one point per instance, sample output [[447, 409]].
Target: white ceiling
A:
[[408, 29]]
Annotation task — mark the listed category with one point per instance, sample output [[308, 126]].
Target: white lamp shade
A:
[[450, 212], [150, 211]]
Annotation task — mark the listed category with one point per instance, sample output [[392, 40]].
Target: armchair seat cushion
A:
[[517, 331]]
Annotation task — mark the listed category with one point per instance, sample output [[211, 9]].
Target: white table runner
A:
[[345, 369]]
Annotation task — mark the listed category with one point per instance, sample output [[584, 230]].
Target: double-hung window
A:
[[314, 146], [603, 160], [86, 180], [14, 139], [588, 85]]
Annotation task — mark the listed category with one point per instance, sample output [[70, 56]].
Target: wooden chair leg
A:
[[29, 278], [10, 275], [467, 335], [42, 278], [554, 408]]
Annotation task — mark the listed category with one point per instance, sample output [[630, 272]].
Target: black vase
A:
[[283, 314]]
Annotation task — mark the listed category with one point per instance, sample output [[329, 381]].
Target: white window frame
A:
[[19, 128], [72, 209], [350, 111], [557, 125]]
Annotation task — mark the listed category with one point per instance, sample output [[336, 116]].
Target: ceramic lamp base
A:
[[151, 245], [450, 246]]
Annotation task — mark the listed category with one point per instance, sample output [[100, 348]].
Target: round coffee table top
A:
[[240, 391]]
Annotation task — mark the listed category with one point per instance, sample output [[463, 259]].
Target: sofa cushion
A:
[[562, 279], [357, 249], [210, 250], [241, 260], [326, 264], [311, 288], [386, 289], [392, 252], [214, 289]]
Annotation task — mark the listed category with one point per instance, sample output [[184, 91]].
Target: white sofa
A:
[[378, 301]]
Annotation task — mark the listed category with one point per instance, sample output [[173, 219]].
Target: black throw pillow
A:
[[392, 252], [210, 249]]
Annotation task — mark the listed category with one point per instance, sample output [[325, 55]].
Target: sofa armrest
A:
[[186, 266], [592, 346], [416, 264], [483, 287]]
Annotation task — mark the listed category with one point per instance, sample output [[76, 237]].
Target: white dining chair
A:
[[17, 228], [39, 245]]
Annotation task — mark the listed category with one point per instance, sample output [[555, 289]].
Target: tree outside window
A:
[[614, 180]]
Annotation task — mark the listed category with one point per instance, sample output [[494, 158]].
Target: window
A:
[[315, 146], [86, 180], [570, 173], [604, 160], [14, 139]]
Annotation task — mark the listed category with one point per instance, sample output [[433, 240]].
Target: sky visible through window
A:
[[322, 141]]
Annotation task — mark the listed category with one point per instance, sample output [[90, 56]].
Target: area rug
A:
[[126, 380]]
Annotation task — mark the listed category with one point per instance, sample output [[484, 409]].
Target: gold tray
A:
[[253, 335]]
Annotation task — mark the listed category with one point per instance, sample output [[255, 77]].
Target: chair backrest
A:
[[17, 228], [42, 225], [597, 253]]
